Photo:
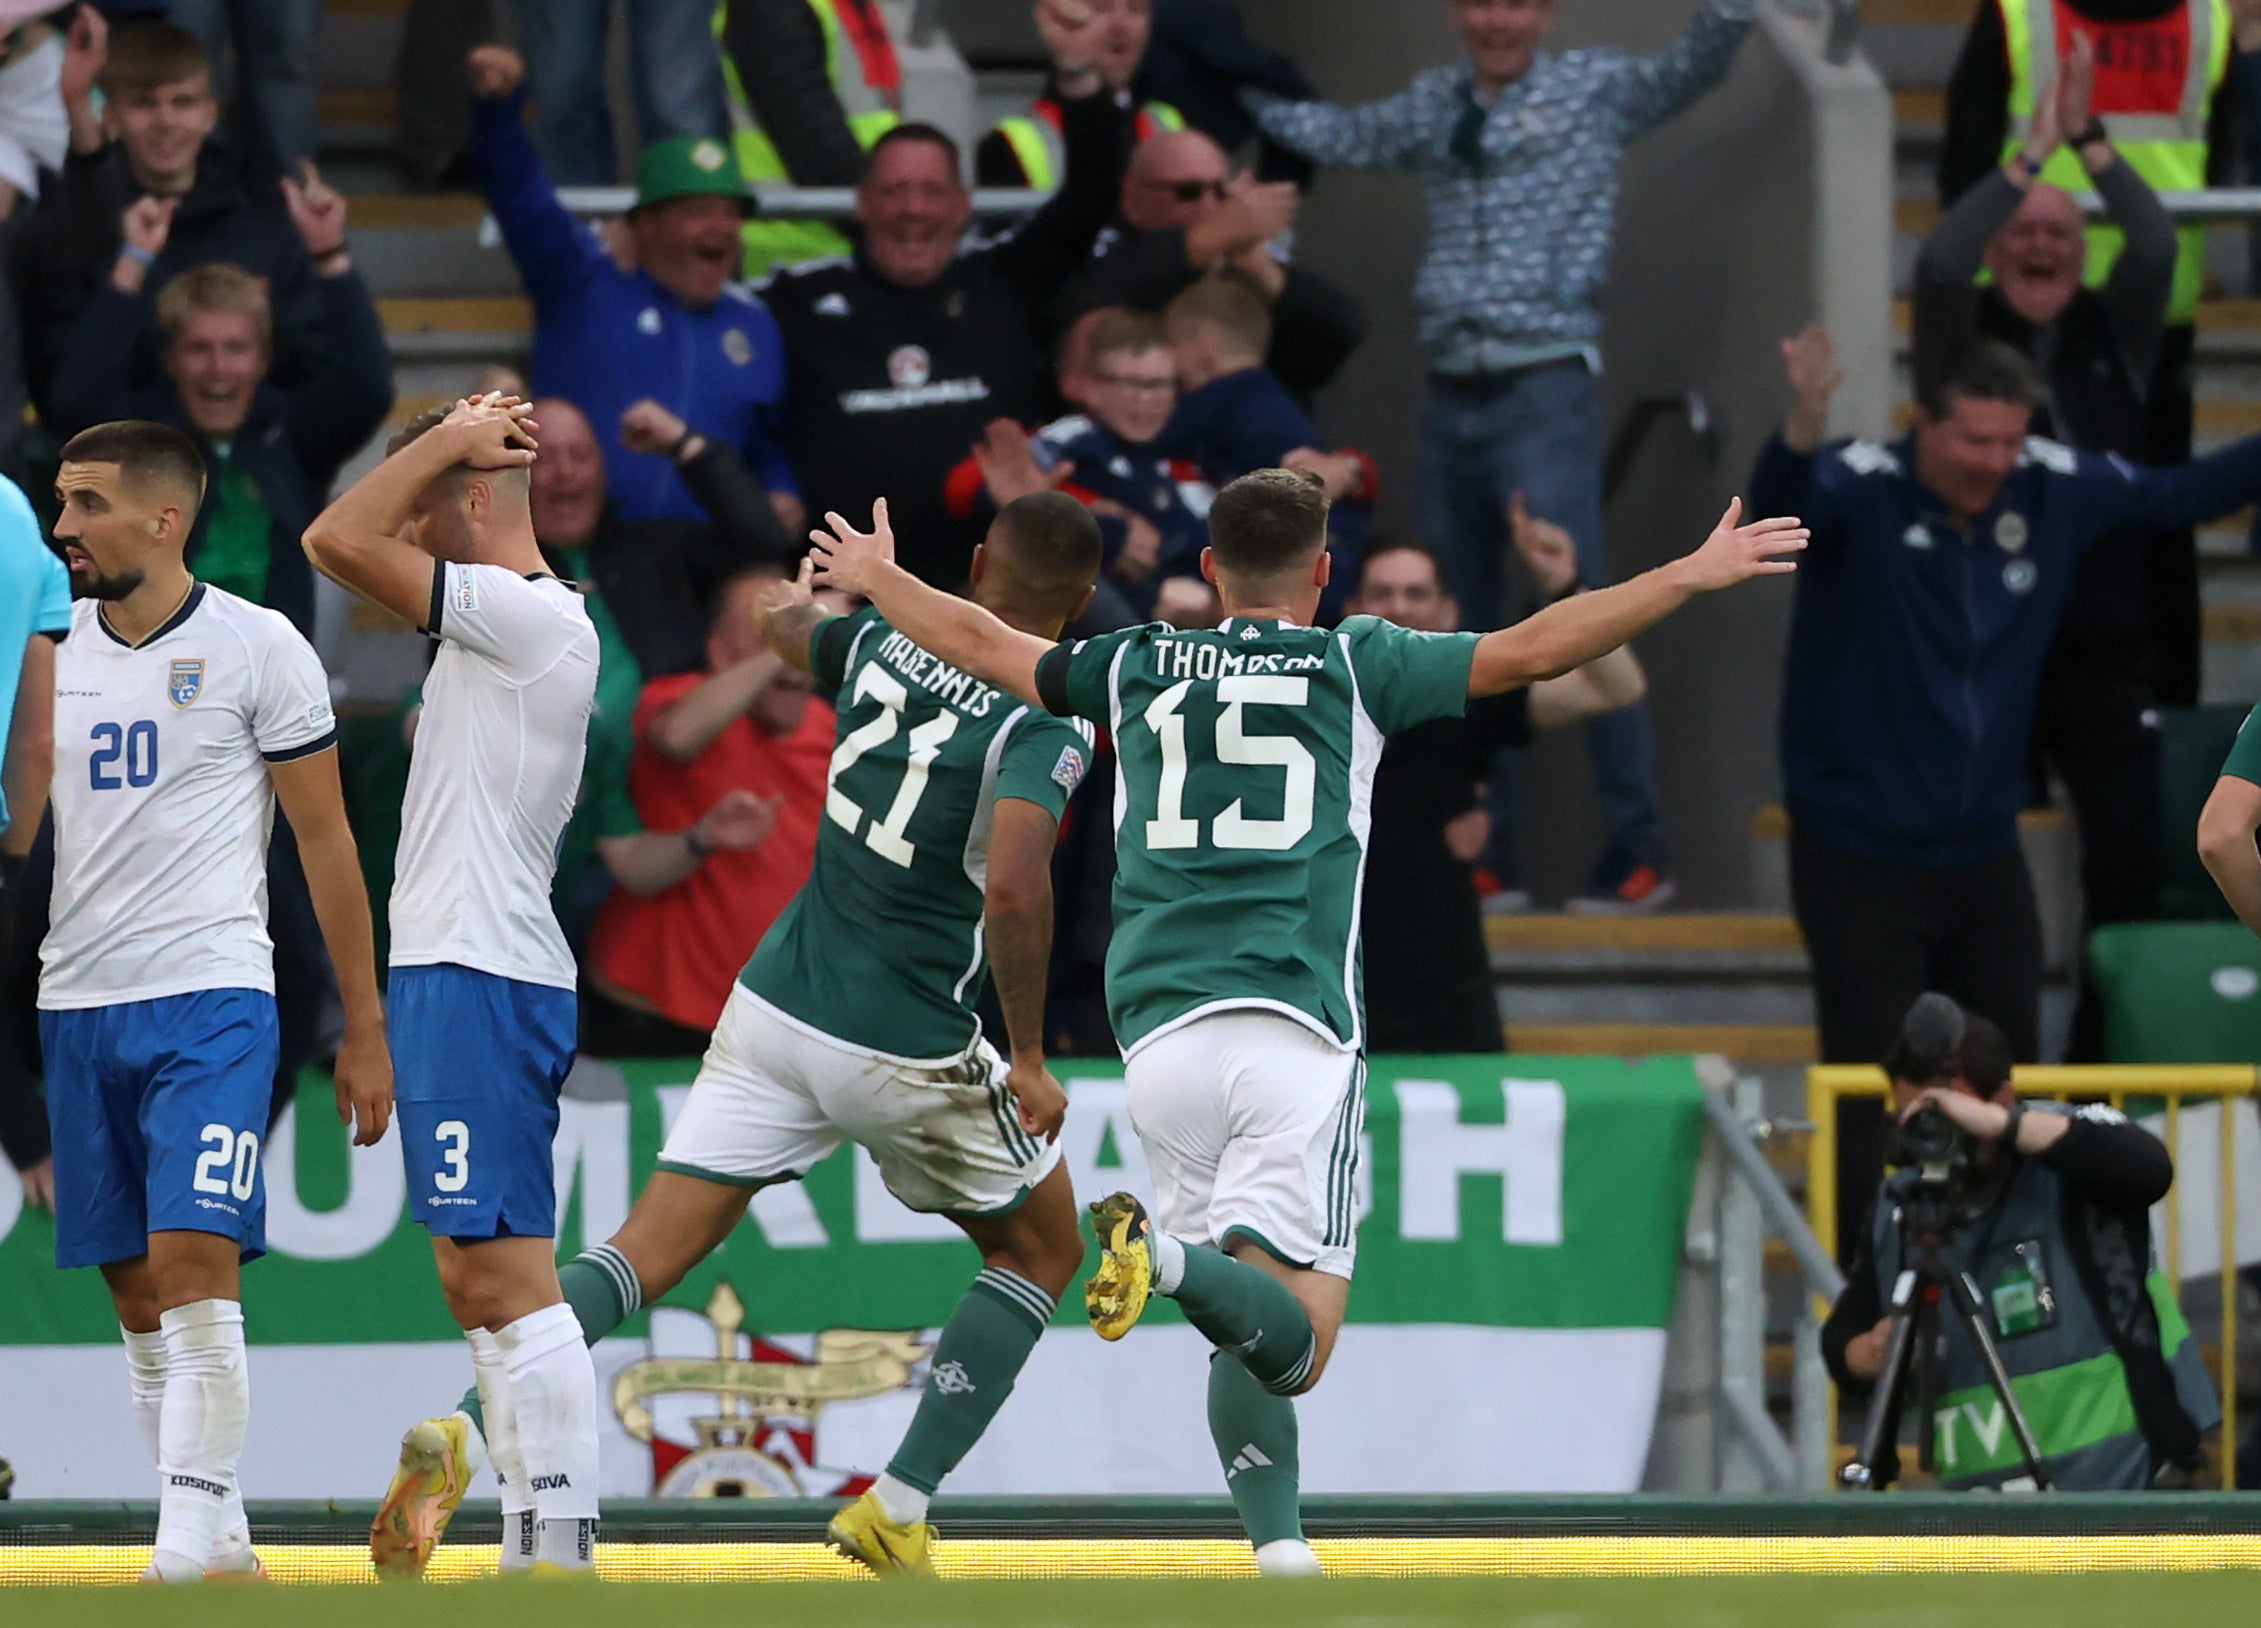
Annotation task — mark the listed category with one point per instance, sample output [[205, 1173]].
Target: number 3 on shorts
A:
[[229, 1164], [454, 1137]]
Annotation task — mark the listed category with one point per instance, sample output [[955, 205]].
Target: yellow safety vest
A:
[[2165, 144], [776, 242], [1043, 152]]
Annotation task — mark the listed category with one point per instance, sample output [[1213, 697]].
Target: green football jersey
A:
[[882, 947], [2244, 760], [1245, 759]]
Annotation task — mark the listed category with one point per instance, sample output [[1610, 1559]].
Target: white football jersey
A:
[[495, 770], [163, 801]]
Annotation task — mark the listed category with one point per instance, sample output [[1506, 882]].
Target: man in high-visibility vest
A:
[[2160, 96], [824, 77], [1028, 150]]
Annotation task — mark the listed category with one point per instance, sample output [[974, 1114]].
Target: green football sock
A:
[[1255, 1433], [980, 1354], [604, 1292], [1249, 1313]]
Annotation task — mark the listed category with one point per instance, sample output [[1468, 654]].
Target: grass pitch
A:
[[1933, 1600]]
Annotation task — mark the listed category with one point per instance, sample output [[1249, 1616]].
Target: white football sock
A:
[[200, 1434], [145, 1372], [1287, 1557], [1169, 1263], [900, 1500], [554, 1384], [497, 1403]]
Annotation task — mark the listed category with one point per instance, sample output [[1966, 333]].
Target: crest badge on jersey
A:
[[1068, 773], [737, 346], [909, 367], [184, 682]]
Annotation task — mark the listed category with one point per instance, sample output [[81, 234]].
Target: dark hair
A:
[[149, 53], [430, 419], [1050, 544], [1980, 1055], [1984, 370], [146, 454], [933, 135], [1268, 521], [1388, 543], [716, 599]]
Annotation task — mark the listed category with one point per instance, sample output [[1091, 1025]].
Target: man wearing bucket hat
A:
[[676, 329]]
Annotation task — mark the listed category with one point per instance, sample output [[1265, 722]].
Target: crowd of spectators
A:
[[709, 379]]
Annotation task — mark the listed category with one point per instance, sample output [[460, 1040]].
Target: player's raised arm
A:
[[314, 802], [364, 541], [1567, 635], [957, 630]]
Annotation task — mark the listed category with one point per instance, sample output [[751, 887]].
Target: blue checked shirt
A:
[[1518, 248]]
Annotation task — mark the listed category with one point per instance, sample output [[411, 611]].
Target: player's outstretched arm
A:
[[314, 803], [2225, 842], [789, 616], [360, 540], [1566, 636], [1018, 931], [957, 630]]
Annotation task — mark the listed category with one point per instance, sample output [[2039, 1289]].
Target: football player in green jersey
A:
[[1245, 765], [854, 1021]]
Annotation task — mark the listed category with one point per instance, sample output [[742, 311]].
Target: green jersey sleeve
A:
[[1072, 679], [833, 644], [2244, 761], [1043, 762], [1407, 678]]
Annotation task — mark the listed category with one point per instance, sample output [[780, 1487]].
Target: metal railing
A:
[[2168, 1086], [778, 202], [2202, 206], [1717, 1355]]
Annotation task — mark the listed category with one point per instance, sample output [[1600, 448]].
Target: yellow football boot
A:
[[863, 1532], [1117, 1293], [435, 1469]]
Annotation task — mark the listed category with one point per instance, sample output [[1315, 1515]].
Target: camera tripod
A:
[[1917, 1296]]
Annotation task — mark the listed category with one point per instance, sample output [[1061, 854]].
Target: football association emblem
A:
[[184, 682], [909, 367]]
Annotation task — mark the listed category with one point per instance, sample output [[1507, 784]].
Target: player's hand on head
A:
[[650, 427], [1548, 549], [848, 559], [494, 431], [1039, 1100], [1736, 552], [364, 1081]]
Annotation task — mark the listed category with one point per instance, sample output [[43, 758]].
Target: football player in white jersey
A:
[[182, 715], [481, 990]]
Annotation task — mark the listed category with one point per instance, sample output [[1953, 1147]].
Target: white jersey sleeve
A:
[[290, 702], [501, 616]]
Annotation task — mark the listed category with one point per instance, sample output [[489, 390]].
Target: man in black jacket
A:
[[151, 149], [898, 358], [2048, 1216]]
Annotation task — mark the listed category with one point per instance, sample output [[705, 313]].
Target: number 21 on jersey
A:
[[885, 836], [1170, 828]]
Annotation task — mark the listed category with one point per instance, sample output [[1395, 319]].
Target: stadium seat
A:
[[2192, 743], [2179, 992]]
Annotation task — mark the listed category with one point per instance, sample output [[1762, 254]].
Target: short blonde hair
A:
[[216, 286]]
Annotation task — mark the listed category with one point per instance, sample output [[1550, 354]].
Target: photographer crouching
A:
[[2021, 1230]]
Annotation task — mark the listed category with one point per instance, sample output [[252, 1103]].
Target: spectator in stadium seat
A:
[[1030, 149], [1429, 981], [899, 358], [2163, 75], [151, 152], [1199, 60], [271, 451], [605, 338], [1519, 151], [1150, 507], [1185, 214], [2006, 262], [1233, 415], [674, 69], [660, 968]]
